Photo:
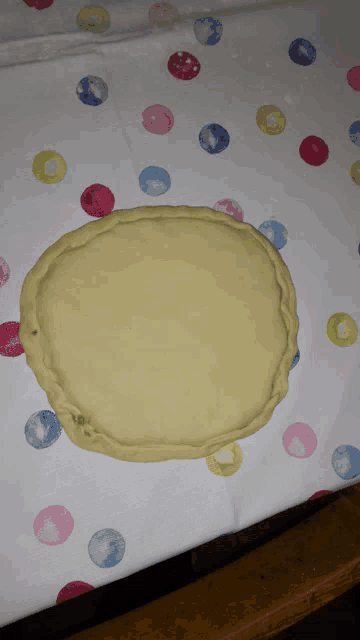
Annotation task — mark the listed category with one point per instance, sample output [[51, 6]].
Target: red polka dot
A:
[[73, 589], [97, 200], [353, 78], [183, 65], [314, 151], [9, 340], [318, 494], [39, 4]]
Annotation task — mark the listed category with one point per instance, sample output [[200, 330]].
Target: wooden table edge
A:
[[262, 593]]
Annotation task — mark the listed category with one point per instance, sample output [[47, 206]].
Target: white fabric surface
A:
[[163, 509]]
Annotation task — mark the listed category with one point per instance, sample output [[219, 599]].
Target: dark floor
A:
[[95, 607]]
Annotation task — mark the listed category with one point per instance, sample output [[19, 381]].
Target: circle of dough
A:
[[160, 332]]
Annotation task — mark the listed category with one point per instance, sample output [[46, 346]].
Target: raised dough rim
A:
[[70, 416]]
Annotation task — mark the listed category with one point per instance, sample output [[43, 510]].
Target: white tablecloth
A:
[[73, 519]]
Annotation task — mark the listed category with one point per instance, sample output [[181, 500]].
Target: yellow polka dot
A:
[[49, 167], [355, 172], [93, 18], [226, 461], [342, 330], [270, 120]]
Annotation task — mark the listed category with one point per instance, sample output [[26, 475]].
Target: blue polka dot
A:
[[227, 534], [42, 429], [214, 138], [302, 52], [354, 133], [208, 31], [275, 232], [154, 181], [92, 91], [346, 462], [295, 359], [106, 548]]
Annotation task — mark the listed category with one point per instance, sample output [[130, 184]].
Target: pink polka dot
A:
[[231, 207], [4, 272], [163, 13], [53, 525], [97, 200], [353, 78], [73, 589], [183, 65], [299, 440], [158, 119], [318, 494], [9, 340]]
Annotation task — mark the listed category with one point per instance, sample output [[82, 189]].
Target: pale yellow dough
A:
[[160, 333]]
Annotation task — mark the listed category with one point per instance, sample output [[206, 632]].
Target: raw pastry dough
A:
[[160, 333]]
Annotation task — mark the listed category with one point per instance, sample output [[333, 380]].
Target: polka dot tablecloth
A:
[[245, 113]]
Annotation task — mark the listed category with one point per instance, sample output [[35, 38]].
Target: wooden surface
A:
[[261, 594]]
